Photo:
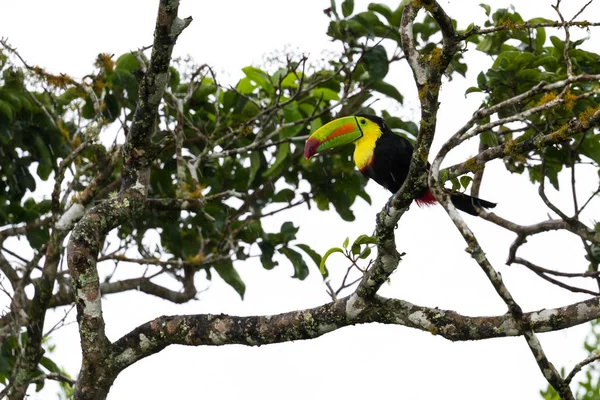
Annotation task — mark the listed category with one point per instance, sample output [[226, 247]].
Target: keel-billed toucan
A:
[[380, 155]]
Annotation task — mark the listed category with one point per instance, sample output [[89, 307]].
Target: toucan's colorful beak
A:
[[311, 146], [336, 133]]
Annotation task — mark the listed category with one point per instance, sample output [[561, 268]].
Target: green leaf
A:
[[112, 107], [50, 365], [291, 80], [377, 62], [366, 253], [128, 62], [481, 80], [246, 86], [595, 250], [486, 44], [346, 241], [260, 77], [465, 180], [334, 9], [540, 39], [455, 184], [388, 90], [383, 10], [174, 78], [203, 91], [255, 163], [316, 124], [355, 249], [231, 277], [365, 239], [7, 110], [311, 253], [487, 9], [282, 154], [284, 196], [44, 168], [365, 22], [87, 111], [300, 267], [590, 147], [347, 8], [489, 139], [558, 44], [325, 94], [291, 114], [329, 252], [472, 89], [267, 251], [396, 18], [288, 230], [37, 237]]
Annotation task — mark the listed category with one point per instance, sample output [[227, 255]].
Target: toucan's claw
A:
[[388, 206]]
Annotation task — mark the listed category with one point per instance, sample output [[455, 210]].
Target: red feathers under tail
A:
[[461, 201], [426, 200]]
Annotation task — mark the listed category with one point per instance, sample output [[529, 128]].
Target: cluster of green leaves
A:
[[378, 24], [359, 250], [246, 136], [30, 144], [226, 119], [522, 59]]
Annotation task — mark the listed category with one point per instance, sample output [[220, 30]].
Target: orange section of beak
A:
[[310, 148], [312, 144], [342, 130]]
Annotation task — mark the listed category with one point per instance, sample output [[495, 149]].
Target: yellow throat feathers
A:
[[365, 146]]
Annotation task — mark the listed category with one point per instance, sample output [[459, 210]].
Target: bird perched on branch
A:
[[380, 155]]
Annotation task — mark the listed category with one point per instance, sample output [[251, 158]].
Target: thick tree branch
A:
[[427, 76], [221, 329], [95, 377]]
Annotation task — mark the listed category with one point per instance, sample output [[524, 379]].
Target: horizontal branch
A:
[[476, 30], [217, 330], [166, 263], [144, 285]]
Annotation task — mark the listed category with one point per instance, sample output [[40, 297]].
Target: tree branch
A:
[[95, 377], [221, 329], [583, 123]]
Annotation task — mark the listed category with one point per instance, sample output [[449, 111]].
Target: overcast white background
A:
[[371, 361]]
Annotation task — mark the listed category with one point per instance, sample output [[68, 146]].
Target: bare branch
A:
[[476, 30], [218, 330]]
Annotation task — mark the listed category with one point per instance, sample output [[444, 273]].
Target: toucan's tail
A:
[[467, 203]]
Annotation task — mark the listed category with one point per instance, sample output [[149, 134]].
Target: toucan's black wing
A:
[[391, 161]]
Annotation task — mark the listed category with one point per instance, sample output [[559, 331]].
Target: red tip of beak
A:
[[310, 148]]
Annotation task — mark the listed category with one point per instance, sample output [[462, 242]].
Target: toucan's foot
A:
[[388, 206], [388, 209]]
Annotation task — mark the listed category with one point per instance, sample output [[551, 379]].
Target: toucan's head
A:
[[342, 131]]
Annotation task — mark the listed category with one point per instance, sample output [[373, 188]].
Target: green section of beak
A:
[[333, 134]]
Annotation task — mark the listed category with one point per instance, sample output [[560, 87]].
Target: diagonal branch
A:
[[579, 125], [428, 77]]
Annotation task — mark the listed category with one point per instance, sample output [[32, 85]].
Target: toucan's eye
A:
[[362, 121]]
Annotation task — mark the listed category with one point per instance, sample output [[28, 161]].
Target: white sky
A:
[[374, 361]]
